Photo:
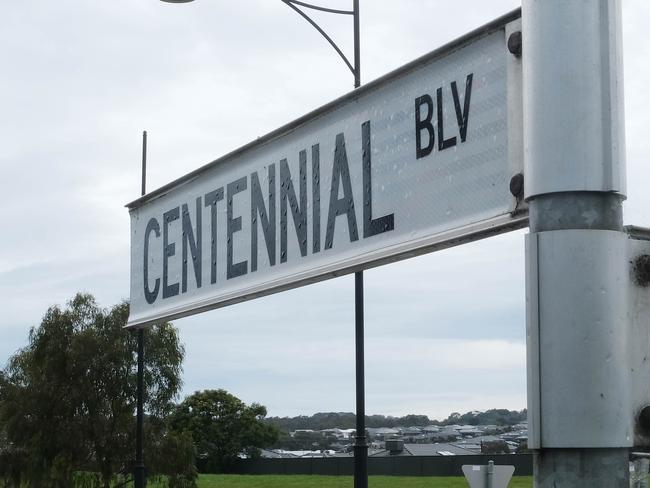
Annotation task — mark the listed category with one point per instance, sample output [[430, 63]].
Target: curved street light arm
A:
[[323, 9], [290, 3]]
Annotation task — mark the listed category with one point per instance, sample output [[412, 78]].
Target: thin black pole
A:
[[357, 46], [140, 470], [360, 445], [144, 163]]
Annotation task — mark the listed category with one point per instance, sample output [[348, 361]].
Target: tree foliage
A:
[[347, 420], [173, 457], [67, 400], [222, 427], [496, 416]]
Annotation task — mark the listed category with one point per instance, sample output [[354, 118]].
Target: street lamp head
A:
[[176, 1]]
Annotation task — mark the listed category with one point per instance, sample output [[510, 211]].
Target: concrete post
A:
[[580, 419]]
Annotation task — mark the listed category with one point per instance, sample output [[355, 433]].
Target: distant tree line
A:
[[498, 416], [347, 420]]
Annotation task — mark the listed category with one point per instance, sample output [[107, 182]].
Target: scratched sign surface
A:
[[420, 158]]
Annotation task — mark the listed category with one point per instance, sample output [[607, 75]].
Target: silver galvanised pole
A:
[[578, 398]]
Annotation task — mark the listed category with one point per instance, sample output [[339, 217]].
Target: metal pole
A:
[[361, 444], [143, 189], [575, 183], [140, 470], [489, 475], [357, 46]]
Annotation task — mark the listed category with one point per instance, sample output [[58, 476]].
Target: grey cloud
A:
[[80, 82]]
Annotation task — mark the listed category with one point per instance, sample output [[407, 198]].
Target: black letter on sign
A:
[[298, 211], [442, 143], [233, 225], [168, 251], [421, 125], [150, 296], [315, 182], [462, 116], [194, 243], [211, 200], [344, 205], [371, 226], [267, 219]]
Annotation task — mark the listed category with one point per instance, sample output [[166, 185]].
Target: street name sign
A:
[[415, 161]]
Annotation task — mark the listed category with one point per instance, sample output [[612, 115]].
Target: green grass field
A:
[[297, 481]]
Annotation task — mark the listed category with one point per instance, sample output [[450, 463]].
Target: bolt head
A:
[[644, 420], [641, 271], [517, 186], [515, 43]]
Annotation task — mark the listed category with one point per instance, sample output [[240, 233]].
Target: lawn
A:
[[313, 481]]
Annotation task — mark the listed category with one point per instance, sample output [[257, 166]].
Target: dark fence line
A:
[[387, 466]]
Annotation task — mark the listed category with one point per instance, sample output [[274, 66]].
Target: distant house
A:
[[446, 434], [275, 454], [493, 429], [469, 431], [347, 433], [381, 433], [301, 431], [411, 434], [340, 434], [282, 454], [438, 449]]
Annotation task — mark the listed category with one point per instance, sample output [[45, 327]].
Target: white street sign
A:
[[417, 160]]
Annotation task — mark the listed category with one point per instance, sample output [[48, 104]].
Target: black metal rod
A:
[[357, 47], [144, 163], [322, 9], [323, 33], [139, 475], [360, 445]]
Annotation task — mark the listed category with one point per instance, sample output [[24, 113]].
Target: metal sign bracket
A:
[[588, 328]]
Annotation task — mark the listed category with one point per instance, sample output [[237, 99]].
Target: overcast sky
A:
[[81, 80]]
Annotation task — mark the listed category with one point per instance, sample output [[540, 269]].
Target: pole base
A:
[[360, 463], [140, 476], [581, 468]]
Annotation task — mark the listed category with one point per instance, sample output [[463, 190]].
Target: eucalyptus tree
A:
[[67, 399]]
